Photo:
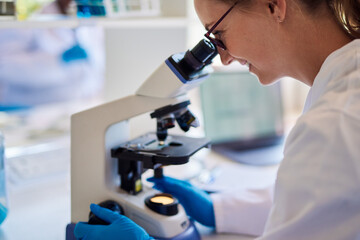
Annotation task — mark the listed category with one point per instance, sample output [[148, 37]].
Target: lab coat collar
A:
[[335, 66]]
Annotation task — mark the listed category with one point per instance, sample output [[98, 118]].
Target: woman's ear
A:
[[277, 9]]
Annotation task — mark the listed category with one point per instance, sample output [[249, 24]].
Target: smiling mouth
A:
[[244, 62]]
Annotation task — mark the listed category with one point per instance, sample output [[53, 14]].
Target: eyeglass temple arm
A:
[[219, 21]]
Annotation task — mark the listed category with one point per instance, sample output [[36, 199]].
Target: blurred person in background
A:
[[46, 65]]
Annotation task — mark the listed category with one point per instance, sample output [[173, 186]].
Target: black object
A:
[[7, 8], [191, 64], [70, 228], [158, 113], [166, 119], [186, 120], [248, 144], [109, 204], [196, 58], [260, 151], [158, 172], [146, 152], [170, 209]]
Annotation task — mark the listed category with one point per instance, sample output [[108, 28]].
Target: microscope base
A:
[[191, 233]]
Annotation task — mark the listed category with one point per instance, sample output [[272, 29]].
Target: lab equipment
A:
[[7, 9], [90, 8], [25, 8], [197, 203], [117, 8], [101, 149], [244, 117], [131, 8], [3, 195], [119, 225]]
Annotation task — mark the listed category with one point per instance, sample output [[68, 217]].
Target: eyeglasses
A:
[[215, 41]]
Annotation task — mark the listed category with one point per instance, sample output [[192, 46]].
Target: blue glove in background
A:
[[120, 227], [197, 203], [76, 52]]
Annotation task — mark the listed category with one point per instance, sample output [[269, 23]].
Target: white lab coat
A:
[[317, 191], [32, 71]]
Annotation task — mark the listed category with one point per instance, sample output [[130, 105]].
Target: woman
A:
[[317, 193]]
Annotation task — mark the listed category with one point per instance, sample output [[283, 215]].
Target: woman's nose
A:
[[226, 58]]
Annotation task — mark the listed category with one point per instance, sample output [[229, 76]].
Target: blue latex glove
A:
[[197, 203], [120, 227], [3, 213], [76, 52]]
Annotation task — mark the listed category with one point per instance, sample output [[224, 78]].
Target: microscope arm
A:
[[93, 133]]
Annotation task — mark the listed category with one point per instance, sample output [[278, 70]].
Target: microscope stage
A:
[[175, 150]]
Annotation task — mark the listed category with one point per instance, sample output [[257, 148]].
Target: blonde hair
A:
[[347, 12]]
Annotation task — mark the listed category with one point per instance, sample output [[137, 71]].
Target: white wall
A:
[[132, 54]]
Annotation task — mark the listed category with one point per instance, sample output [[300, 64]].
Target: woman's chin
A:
[[265, 79]]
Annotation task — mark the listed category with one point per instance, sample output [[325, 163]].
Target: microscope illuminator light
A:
[[163, 203]]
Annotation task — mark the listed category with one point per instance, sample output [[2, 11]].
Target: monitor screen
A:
[[241, 113]]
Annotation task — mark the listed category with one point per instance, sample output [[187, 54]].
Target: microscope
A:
[[106, 165]]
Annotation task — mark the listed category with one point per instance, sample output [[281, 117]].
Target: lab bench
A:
[[39, 190]]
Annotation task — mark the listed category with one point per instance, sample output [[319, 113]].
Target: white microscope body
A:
[[94, 132]]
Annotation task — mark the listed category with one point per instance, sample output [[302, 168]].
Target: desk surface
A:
[[40, 208]]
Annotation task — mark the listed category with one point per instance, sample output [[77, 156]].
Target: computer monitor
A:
[[240, 114]]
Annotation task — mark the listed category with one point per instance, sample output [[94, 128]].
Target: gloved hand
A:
[[76, 52], [119, 226], [197, 203]]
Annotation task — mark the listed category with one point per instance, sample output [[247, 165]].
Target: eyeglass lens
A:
[[212, 39]]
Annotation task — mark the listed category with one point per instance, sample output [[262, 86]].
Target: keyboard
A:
[[37, 162]]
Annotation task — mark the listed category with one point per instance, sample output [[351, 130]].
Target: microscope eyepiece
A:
[[198, 57], [191, 65], [203, 50]]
